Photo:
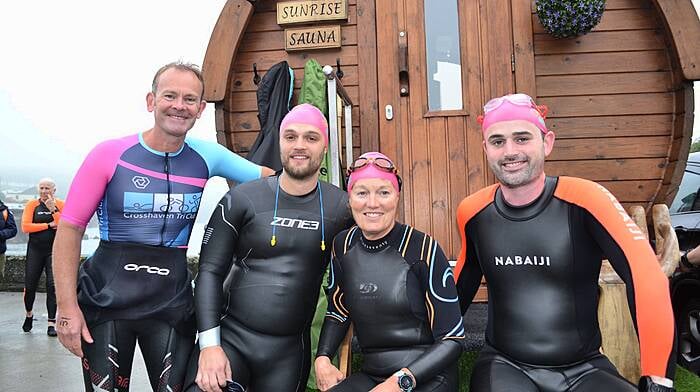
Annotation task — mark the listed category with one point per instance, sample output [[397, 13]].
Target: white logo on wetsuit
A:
[[368, 288], [148, 269], [522, 260], [298, 223], [140, 182]]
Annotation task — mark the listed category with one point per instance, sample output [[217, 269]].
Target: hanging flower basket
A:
[[569, 18]]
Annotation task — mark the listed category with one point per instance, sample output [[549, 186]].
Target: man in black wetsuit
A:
[[278, 230], [539, 242]]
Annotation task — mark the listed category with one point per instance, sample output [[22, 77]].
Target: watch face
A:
[[405, 382]]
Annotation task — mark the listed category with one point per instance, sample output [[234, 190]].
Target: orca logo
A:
[[140, 182], [148, 269], [368, 288]]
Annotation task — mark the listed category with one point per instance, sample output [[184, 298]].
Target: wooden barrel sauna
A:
[[620, 97]]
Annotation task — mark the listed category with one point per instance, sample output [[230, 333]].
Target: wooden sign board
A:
[[313, 37], [304, 11]]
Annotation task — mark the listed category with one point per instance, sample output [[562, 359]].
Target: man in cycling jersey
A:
[[146, 189]]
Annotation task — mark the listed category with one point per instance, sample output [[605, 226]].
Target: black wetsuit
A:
[[541, 263], [399, 293], [274, 289], [35, 221]]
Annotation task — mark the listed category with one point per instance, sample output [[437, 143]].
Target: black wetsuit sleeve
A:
[[469, 281], [218, 248], [337, 320], [444, 316]]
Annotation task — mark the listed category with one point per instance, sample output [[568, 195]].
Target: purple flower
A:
[[568, 18]]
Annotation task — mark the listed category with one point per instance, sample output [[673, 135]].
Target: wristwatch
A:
[[405, 381], [646, 384], [685, 262]]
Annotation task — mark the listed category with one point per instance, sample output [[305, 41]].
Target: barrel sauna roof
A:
[[620, 97]]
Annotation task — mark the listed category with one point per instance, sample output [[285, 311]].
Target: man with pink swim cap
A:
[[539, 242], [274, 236]]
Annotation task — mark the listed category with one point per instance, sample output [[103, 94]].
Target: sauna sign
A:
[[314, 37], [289, 12]]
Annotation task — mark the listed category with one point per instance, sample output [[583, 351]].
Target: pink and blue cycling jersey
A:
[[146, 196]]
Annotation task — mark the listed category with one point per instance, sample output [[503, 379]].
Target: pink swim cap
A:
[[374, 170], [306, 114], [513, 107]]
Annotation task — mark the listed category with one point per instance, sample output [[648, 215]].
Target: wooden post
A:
[[619, 338], [345, 354]]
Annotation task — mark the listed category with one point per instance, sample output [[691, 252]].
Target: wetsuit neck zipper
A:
[[167, 206]]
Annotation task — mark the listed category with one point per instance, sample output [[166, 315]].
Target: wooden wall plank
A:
[[613, 20], [599, 63], [243, 81], [368, 68], [457, 173], [643, 190], [478, 175], [247, 101], [523, 49], [606, 41], [265, 60], [248, 121], [416, 134], [610, 148], [606, 126], [626, 4], [612, 83], [244, 140], [274, 40], [606, 105], [618, 4], [440, 213], [609, 169]]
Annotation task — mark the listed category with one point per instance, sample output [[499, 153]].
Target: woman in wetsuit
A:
[[394, 284], [39, 220]]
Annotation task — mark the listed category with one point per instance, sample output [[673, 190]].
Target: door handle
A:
[[403, 65]]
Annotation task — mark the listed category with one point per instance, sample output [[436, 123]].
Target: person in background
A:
[[40, 219], [8, 229]]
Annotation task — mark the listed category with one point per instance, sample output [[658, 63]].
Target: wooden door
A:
[[439, 147]]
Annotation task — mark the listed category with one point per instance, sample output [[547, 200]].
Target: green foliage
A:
[[695, 147], [569, 18]]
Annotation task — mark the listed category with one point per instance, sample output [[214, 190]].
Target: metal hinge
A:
[[512, 62]]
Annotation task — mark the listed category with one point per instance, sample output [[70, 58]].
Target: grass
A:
[[685, 381]]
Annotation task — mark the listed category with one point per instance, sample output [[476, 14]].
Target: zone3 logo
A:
[[292, 223], [148, 269]]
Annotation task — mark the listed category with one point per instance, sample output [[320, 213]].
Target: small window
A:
[[444, 66]]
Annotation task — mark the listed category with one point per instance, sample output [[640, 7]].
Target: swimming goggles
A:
[[380, 163]]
